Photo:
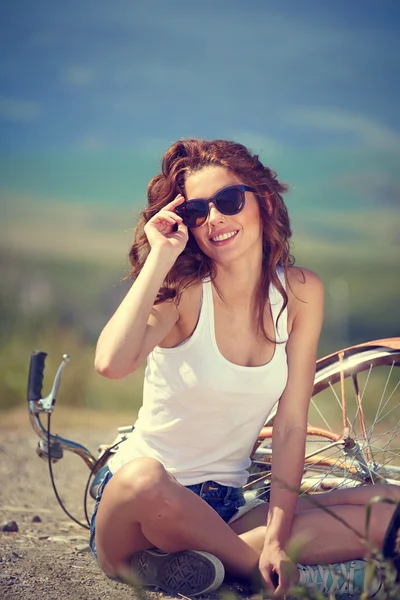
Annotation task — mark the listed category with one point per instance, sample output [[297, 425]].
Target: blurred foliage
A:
[[15, 360], [62, 278], [59, 307]]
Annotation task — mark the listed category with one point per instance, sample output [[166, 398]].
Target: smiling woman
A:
[[217, 163], [229, 328]]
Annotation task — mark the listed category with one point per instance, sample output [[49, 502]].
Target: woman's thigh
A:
[[360, 496], [143, 506], [117, 527]]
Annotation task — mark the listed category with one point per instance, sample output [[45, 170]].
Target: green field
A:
[[62, 267]]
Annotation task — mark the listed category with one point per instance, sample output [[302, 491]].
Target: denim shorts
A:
[[225, 500]]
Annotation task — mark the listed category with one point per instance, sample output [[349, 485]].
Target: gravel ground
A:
[[48, 558]]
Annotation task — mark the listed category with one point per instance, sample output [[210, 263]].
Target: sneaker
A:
[[340, 578], [189, 572]]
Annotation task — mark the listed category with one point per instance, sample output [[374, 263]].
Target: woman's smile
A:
[[223, 238]]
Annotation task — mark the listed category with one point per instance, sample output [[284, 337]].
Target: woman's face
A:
[[244, 229]]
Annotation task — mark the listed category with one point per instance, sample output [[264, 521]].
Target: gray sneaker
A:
[[189, 572], [339, 578]]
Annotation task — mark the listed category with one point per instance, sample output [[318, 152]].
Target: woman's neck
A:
[[237, 284]]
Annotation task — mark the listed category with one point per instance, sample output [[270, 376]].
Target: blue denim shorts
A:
[[225, 500]]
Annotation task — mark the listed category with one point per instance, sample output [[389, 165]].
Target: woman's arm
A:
[[138, 326], [290, 422]]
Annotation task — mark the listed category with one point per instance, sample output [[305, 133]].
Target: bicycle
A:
[[342, 450]]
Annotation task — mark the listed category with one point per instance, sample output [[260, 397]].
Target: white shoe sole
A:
[[189, 572]]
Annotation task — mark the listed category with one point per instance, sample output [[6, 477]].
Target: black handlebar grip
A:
[[35, 378]]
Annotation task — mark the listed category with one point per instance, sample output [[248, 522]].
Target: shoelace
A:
[[318, 575]]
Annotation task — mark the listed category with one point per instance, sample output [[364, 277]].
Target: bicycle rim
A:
[[359, 397], [354, 433]]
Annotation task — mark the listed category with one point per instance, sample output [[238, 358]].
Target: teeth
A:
[[223, 236]]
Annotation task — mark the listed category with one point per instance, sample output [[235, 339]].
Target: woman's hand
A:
[[277, 570], [166, 230]]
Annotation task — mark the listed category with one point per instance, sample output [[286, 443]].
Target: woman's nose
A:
[[213, 214]]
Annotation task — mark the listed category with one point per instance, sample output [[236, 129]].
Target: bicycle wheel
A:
[[353, 437]]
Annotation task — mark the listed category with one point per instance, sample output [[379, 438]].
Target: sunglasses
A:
[[228, 201]]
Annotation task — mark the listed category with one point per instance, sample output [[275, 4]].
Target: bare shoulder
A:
[[189, 310], [190, 298], [305, 297], [304, 285]]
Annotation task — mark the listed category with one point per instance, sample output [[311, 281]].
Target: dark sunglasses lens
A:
[[230, 202], [194, 213]]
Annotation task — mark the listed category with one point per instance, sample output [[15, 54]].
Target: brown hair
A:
[[192, 266]]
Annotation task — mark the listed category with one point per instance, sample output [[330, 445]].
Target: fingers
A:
[[268, 580], [284, 583], [167, 213], [175, 202], [276, 583], [181, 227], [166, 216], [281, 590]]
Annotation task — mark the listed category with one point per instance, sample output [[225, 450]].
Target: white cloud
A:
[[15, 109], [363, 129], [79, 75]]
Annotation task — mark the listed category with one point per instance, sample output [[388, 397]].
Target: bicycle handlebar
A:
[[38, 405], [35, 378]]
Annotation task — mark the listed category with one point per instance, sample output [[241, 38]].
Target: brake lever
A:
[[46, 404]]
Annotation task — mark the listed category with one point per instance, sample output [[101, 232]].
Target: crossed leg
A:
[[324, 537], [144, 506]]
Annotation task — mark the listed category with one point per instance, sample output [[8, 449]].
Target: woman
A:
[[228, 327]]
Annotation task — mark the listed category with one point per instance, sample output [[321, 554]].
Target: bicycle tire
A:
[[333, 460]]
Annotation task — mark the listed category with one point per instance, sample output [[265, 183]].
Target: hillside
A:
[[62, 266]]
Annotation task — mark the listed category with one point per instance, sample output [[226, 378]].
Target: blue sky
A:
[[92, 92]]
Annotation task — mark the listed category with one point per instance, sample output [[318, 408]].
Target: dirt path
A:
[[49, 559]]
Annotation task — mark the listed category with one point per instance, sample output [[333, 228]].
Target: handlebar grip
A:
[[35, 378]]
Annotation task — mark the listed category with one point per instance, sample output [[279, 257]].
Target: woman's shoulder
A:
[[188, 308], [190, 300], [305, 292], [305, 295], [305, 302], [303, 283]]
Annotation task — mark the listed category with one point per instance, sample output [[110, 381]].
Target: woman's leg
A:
[[143, 506], [323, 538]]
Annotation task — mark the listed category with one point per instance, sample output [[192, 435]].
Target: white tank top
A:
[[202, 414]]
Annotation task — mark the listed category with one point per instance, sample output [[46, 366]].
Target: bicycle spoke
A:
[[364, 388], [338, 401], [326, 423], [378, 410], [377, 450], [387, 401]]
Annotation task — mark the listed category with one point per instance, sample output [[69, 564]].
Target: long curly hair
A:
[[186, 157]]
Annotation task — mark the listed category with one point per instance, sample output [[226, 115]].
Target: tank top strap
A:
[[207, 303], [276, 303]]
